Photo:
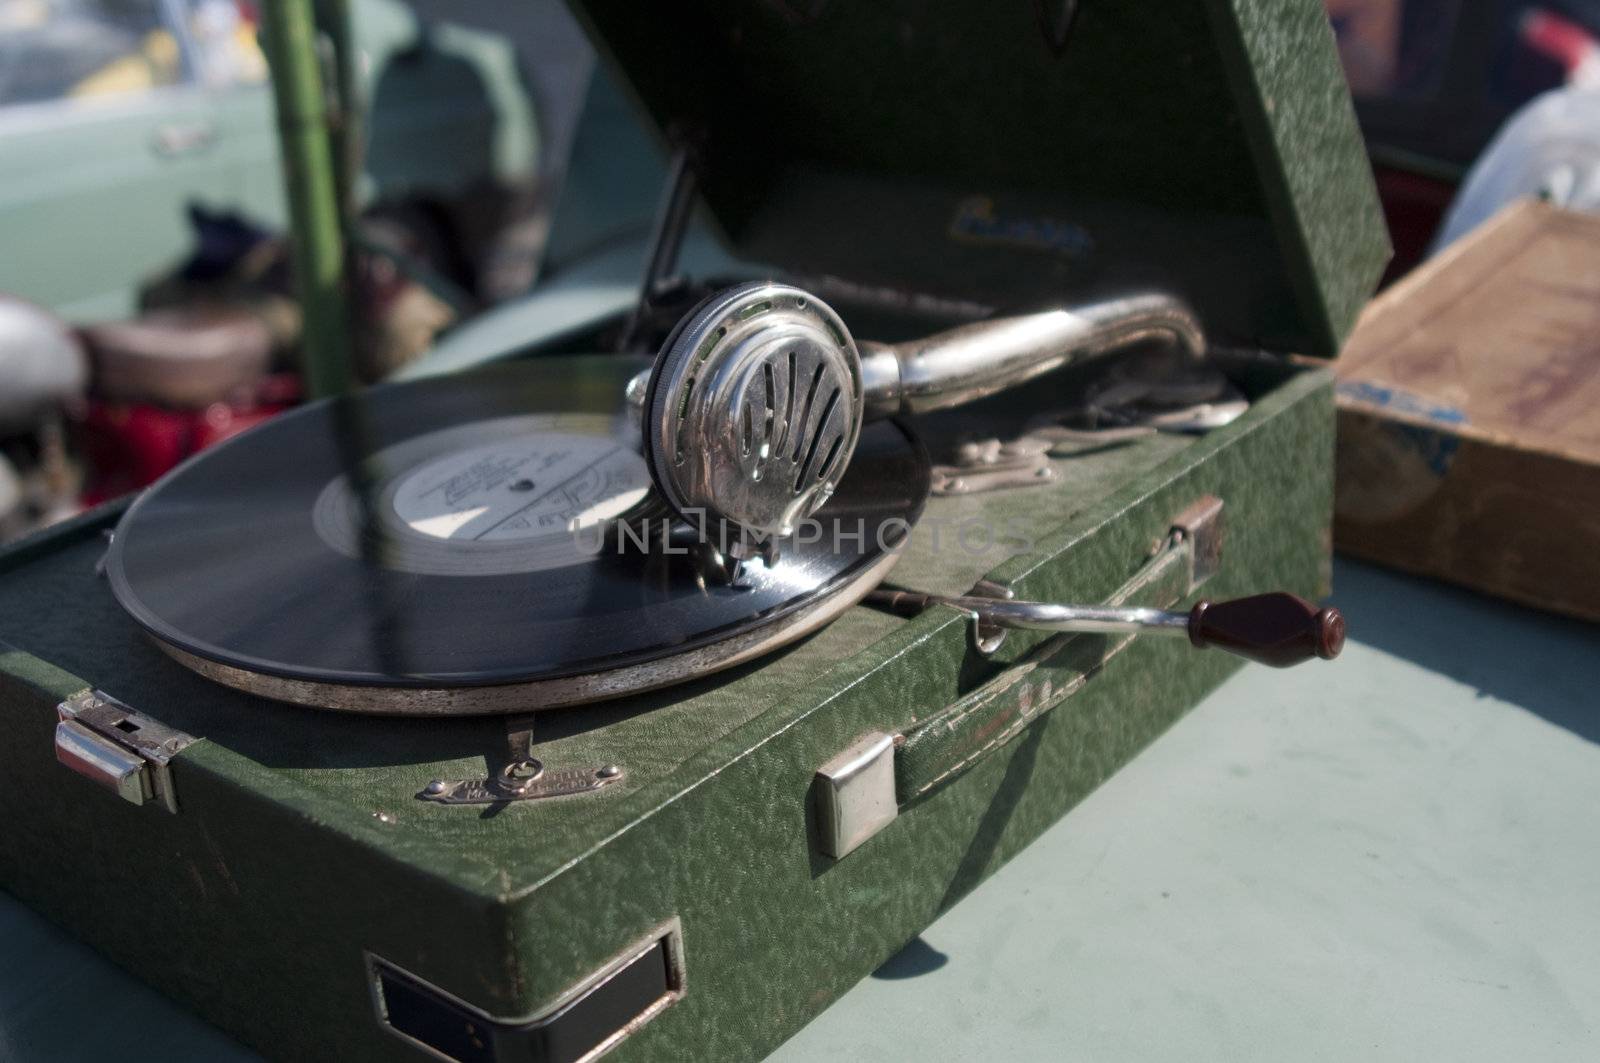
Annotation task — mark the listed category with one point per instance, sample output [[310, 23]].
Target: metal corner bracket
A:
[[854, 794]]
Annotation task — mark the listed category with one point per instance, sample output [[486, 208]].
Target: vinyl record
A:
[[447, 546]]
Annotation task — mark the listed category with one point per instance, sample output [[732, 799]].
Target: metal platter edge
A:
[[553, 693]]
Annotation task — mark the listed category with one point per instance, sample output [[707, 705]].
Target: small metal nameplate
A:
[[522, 781]]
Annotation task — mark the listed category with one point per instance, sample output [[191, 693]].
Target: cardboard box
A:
[[1469, 415]]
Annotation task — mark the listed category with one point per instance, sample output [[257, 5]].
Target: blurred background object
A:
[[118, 116], [1550, 150], [141, 194], [41, 362], [1469, 446], [142, 200], [1434, 80], [43, 373]]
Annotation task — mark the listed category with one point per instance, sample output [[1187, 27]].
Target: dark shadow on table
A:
[[917, 958], [1547, 664]]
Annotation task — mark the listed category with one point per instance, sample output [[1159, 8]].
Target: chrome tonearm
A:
[[753, 408]]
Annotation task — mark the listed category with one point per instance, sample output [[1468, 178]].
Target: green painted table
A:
[[1394, 857]]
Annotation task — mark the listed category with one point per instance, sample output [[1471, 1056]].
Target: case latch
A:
[[113, 746]]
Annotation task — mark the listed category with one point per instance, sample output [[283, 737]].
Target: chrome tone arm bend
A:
[[977, 360]]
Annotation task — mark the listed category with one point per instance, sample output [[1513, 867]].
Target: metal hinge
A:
[[115, 747]]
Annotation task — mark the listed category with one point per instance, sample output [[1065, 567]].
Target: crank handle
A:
[[1276, 629]]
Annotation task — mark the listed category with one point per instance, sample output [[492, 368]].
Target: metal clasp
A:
[[111, 745]]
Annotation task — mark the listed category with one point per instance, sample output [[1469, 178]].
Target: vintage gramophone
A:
[[673, 704]]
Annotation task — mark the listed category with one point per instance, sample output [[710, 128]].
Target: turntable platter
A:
[[442, 546]]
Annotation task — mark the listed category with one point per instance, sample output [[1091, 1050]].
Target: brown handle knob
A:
[[1275, 629]]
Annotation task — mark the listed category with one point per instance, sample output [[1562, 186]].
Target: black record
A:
[[447, 546]]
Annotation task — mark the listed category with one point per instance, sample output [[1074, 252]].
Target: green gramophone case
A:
[[772, 833]]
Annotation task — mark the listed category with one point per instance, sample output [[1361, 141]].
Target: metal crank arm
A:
[[1276, 629]]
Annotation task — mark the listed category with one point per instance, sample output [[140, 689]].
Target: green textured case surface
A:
[[1009, 153], [300, 845]]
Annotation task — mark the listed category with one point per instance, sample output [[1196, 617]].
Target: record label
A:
[[527, 487], [492, 497]]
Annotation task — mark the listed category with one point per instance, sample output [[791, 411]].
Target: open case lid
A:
[[1017, 152]]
